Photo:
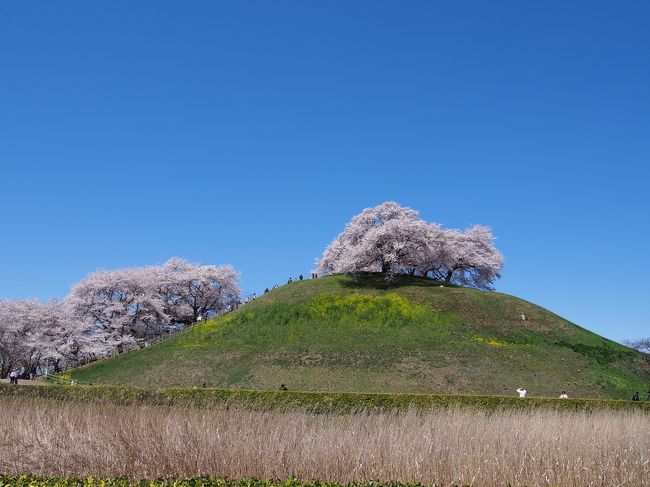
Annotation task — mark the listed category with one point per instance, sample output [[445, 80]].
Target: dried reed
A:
[[438, 447]]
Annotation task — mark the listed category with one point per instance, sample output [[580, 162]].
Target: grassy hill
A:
[[344, 333]]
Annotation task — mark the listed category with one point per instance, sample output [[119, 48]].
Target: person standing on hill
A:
[[564, 395], [648, 398], [635, 397], [522, 392]]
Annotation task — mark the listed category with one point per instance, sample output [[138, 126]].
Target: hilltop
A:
[[345, 333]]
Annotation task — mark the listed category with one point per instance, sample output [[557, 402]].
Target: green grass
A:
[[358, 334]]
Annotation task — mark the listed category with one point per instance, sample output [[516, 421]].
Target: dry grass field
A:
[[44, 437]]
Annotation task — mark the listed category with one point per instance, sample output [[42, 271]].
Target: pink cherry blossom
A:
[[393, 240]]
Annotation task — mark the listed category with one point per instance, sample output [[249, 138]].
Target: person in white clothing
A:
[[564, 395], [522, 392]]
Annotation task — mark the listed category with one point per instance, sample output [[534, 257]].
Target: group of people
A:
[[522, 393], [289, 281], [266, 290], [301, 277], [635, 396], [13, 377]]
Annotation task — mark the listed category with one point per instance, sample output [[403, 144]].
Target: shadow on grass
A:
[[370, 280]]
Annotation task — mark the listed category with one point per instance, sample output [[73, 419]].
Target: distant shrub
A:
[[317, 402]]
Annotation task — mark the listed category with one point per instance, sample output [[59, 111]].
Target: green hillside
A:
[[344, 333]]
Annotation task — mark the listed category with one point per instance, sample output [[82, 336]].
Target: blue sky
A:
[[250, 132]]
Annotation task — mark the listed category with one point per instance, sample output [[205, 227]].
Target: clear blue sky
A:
[[250, 132]]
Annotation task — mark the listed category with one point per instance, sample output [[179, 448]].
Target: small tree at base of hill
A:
[[641, 345], [392, 240]]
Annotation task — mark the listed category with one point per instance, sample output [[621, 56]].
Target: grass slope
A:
[[344, 333]]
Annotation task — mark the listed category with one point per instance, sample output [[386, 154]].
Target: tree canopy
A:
[[110, 312], [394, 240]]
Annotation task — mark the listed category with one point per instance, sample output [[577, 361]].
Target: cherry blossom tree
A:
[[190, 292], [385, 239], [119, 304], [128, 307], [35, 335], [12, 329], [392, 240], [641, 345], [467, 258], [111, 312]]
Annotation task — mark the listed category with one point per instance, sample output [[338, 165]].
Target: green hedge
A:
[[29, 481], [318, 402]]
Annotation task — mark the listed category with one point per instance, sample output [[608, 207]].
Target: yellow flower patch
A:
[[493, 342]]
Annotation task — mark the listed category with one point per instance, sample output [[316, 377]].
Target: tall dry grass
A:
[[444, 447]]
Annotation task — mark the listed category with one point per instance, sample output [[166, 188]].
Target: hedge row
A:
[[318, 402], [29, 481]]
